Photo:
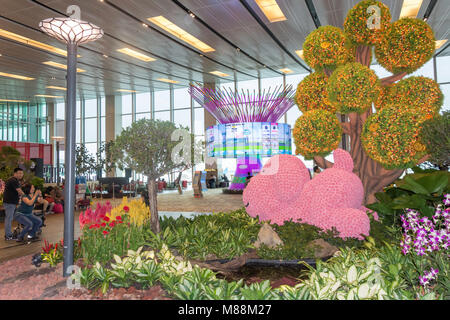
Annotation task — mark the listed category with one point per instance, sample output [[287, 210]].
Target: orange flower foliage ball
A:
[[415, 93], [327, 47], [391, 137], [312, 93], [367, 21], [383, 94], [352, 88], [407, 45], [317, 133]]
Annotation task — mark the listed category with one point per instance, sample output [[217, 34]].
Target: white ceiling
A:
[[226, 24]]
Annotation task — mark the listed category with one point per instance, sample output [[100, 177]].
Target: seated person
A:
[[49, 199], [24, 214], [57, 194]]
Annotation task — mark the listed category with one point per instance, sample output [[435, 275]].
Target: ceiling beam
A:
[[274, 38], [430, 8], [129, 44], [176, 41], [196, 18], [313, 13]]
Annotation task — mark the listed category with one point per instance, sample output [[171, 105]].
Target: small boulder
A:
[[321, 248], [268, 237]]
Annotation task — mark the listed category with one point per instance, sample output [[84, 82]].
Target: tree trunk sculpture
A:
[[343, 83]]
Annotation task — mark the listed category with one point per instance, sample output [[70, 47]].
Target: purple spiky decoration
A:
[[230, 107]]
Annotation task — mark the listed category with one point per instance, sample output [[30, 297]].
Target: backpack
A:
[[58, 208]]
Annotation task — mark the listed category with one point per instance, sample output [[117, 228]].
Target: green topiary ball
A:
[[317, 133], [391, 137], [312, 93], [352, 88], [407, 45], [415, 93], [360, 25], [327, 47]]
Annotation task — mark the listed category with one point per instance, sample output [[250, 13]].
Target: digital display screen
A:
[[233, 140]]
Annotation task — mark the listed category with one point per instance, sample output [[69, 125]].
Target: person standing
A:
[[11, 197]]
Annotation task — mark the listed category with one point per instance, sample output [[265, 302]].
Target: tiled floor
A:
[[213, 201]]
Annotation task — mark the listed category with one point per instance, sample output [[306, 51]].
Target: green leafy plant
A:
[[100, 242], [435, 137], [223, 290], [420, 190], [259, 291]]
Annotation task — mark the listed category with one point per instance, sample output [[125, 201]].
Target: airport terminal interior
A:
[[176, 149]]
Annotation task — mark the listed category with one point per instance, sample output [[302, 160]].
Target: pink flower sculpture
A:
[[284, 190]]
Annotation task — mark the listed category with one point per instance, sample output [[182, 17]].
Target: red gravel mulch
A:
[[20, 280]]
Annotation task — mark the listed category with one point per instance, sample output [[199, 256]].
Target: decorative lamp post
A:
[[57, 139], [73, 32]]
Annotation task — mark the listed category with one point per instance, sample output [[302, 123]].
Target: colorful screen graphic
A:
[[234, 140]]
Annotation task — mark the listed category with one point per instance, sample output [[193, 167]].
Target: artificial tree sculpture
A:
[[384, 117]]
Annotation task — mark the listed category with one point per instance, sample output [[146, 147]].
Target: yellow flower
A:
[[325, 44], [373, 127], [138, 212], [419, 147]]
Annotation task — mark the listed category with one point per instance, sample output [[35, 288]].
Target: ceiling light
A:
[[167, 80], [286, 70], [440, 43], [410, 8], [31, 42], [145, 25], [60, 65], [47, 96], [181, 34], [56, 88], [15, 76], [125, 90], [8, 100], [105, 56], [271, 10], [192, 15], [220, 74], [136, 54], [300, 54]]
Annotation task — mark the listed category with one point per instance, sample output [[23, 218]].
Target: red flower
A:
[[118, 218], [103, 224], [126, 209], [92, 226], [112, 224], [119, 221], [105, 232], [106, 219]]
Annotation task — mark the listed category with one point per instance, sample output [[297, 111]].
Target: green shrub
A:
[[420, 190], [435, 137]]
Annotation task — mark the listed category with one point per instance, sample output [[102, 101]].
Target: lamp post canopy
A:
[[70, 30]]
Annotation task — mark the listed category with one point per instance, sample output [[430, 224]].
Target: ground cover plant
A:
[[231, 234], [411, 264]]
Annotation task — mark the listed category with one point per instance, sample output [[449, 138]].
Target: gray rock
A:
[[268, 237], [321, 248]]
